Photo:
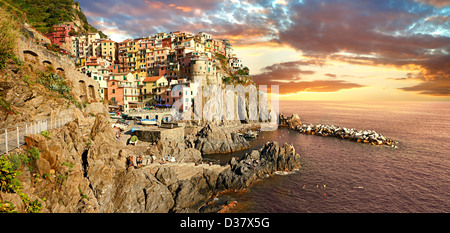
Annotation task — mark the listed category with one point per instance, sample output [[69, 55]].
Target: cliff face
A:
[[258, 164], [213, 139], [84, 170], [29, 92]]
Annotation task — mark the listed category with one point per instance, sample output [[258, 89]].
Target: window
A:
[[113, 83], [173, 100], [113, 91]]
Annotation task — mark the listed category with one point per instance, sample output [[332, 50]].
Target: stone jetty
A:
[[362, 136]]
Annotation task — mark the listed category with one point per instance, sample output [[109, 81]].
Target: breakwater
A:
[[361, 136]]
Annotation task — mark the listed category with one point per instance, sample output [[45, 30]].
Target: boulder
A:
[[212, 139], [291, 122], [258, 164]]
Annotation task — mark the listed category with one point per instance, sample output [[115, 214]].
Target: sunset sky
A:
[[314, 50]]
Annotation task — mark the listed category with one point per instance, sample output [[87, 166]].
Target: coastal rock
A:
[[291, 122], [178, 150], [191, 194], [212, 139], [148, 194], [258, 164], [89, 172], [363, 136]]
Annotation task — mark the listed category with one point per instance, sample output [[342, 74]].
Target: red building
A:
[[61, 33], [114, 68], [166, 43]]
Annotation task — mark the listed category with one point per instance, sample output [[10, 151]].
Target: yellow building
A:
[[108, 50], [153, 89]]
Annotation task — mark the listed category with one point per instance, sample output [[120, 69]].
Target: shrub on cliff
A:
[[10, 184], [8, 37], [54, 82], [8, 180]]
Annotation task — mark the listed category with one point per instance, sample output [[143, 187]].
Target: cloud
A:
[[437, 3], [401, 34], [310, 86], [288, 76], [405, 34], [287, 71], [438, 87]]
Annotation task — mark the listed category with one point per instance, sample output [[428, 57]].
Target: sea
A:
[[341, 176]]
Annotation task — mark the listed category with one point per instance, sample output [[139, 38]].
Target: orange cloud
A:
[[183, 8], [159, 5], [155, 4]]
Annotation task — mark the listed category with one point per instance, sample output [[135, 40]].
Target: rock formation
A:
[[85, 171], [258, 164], [363, 136], [291, 122], [213, 139]]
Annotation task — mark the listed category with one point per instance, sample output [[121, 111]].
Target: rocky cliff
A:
[[214, 139], [82, 168], [258, 164]]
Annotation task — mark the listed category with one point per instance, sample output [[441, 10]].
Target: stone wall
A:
[[176, 135], [84, 88]]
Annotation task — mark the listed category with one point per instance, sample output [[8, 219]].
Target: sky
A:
[[358, 50]]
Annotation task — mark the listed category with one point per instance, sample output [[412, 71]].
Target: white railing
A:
[[13, 137]]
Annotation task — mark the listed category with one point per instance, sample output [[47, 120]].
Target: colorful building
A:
[[153, 90], [61, 33]]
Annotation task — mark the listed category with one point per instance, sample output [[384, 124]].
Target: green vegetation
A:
[[8, 180], [226, 80], [5, 105], [54, 82], [43, 14], [27, 80], [243, 71], [9, 34], [10, 184], [46, 134], [34, 153], [70, 165]]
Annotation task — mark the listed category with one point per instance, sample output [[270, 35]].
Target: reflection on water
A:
[[344, 176]]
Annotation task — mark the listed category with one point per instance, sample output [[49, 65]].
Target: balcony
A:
[[128, 85]]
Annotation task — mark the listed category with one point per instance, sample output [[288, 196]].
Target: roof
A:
[[120, 74], [152, 78]]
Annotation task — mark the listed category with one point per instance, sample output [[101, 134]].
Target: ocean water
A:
[[343, 176]]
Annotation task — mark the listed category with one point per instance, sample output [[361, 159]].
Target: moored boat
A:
[[148, 122]]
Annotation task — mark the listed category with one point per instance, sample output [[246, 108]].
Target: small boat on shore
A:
[[250, 134], [148, 122], [122, 127]]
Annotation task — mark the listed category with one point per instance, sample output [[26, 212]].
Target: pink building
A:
[[114, 93], [61, 33]]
